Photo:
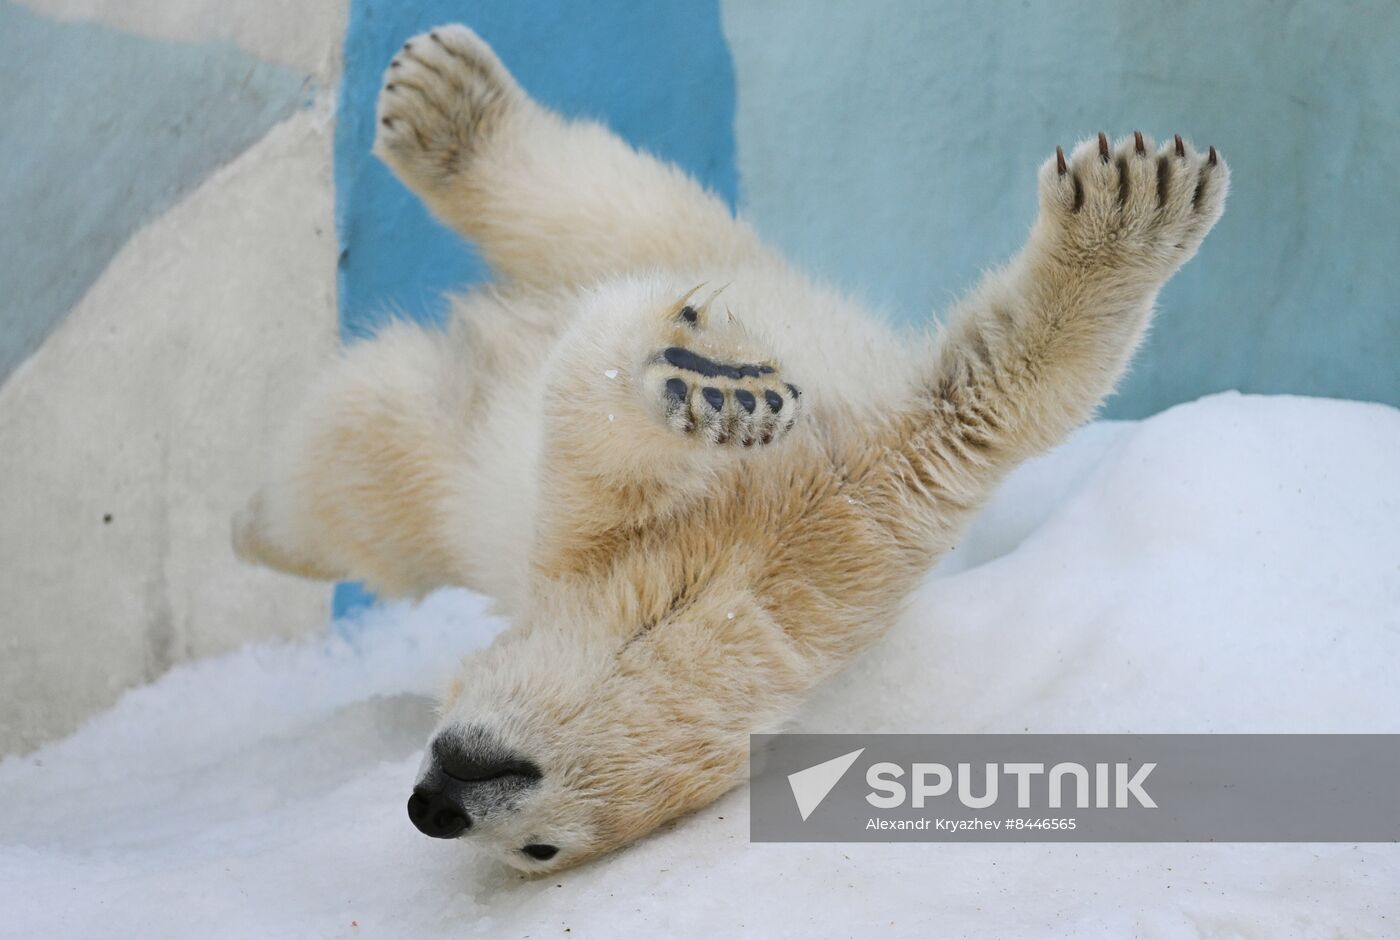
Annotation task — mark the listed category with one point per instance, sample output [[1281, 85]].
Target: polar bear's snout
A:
[[467, 774]]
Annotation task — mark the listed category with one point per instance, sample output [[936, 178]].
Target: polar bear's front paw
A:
[[705, 386], [443, 94], [1130, 207]]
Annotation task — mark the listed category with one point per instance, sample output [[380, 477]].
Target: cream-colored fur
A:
[[676, 582]]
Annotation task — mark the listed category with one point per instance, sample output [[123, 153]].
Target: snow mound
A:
[[1229, 565]]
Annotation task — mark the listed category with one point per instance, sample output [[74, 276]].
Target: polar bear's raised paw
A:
[[727, 403], [1131, 205], [442, 95], [720, 398]]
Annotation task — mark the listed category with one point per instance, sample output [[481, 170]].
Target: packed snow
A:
[[1229, 565]]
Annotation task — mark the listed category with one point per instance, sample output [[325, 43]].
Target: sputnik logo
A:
[[810, 786]]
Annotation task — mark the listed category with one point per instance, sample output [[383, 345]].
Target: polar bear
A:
[[696, 481]]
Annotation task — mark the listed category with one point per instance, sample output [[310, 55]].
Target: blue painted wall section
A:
[[99, 132], [892, 145], [657, 73]]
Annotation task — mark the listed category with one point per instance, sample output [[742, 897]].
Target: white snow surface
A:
[[1228, 565]]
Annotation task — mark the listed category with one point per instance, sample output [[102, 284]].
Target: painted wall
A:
[[141, 123], [166, 286], [892, 144]]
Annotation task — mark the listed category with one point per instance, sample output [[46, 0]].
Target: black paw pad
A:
[[691, 361], [721, 403]]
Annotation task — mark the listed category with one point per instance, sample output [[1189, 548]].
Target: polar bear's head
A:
[[576, 733]]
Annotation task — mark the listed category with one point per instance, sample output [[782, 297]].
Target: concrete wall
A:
[[167, 262]]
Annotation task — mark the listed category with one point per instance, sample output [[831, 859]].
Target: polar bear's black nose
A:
[[470, 774], [437, 814]]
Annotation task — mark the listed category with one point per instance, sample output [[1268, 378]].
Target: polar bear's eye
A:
[[540, 852]]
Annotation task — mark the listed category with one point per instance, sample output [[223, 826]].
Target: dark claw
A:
[[435, 37], [1103, 147], [1138, 144], [775, 401], [714, 396], [390, 87], [1060, 166], [676, 390], [387, 122], [746, 400], [1211, 159], [1180, 147]]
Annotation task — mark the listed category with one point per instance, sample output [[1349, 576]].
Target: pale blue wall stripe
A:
[[892, 145], [99, 132]]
